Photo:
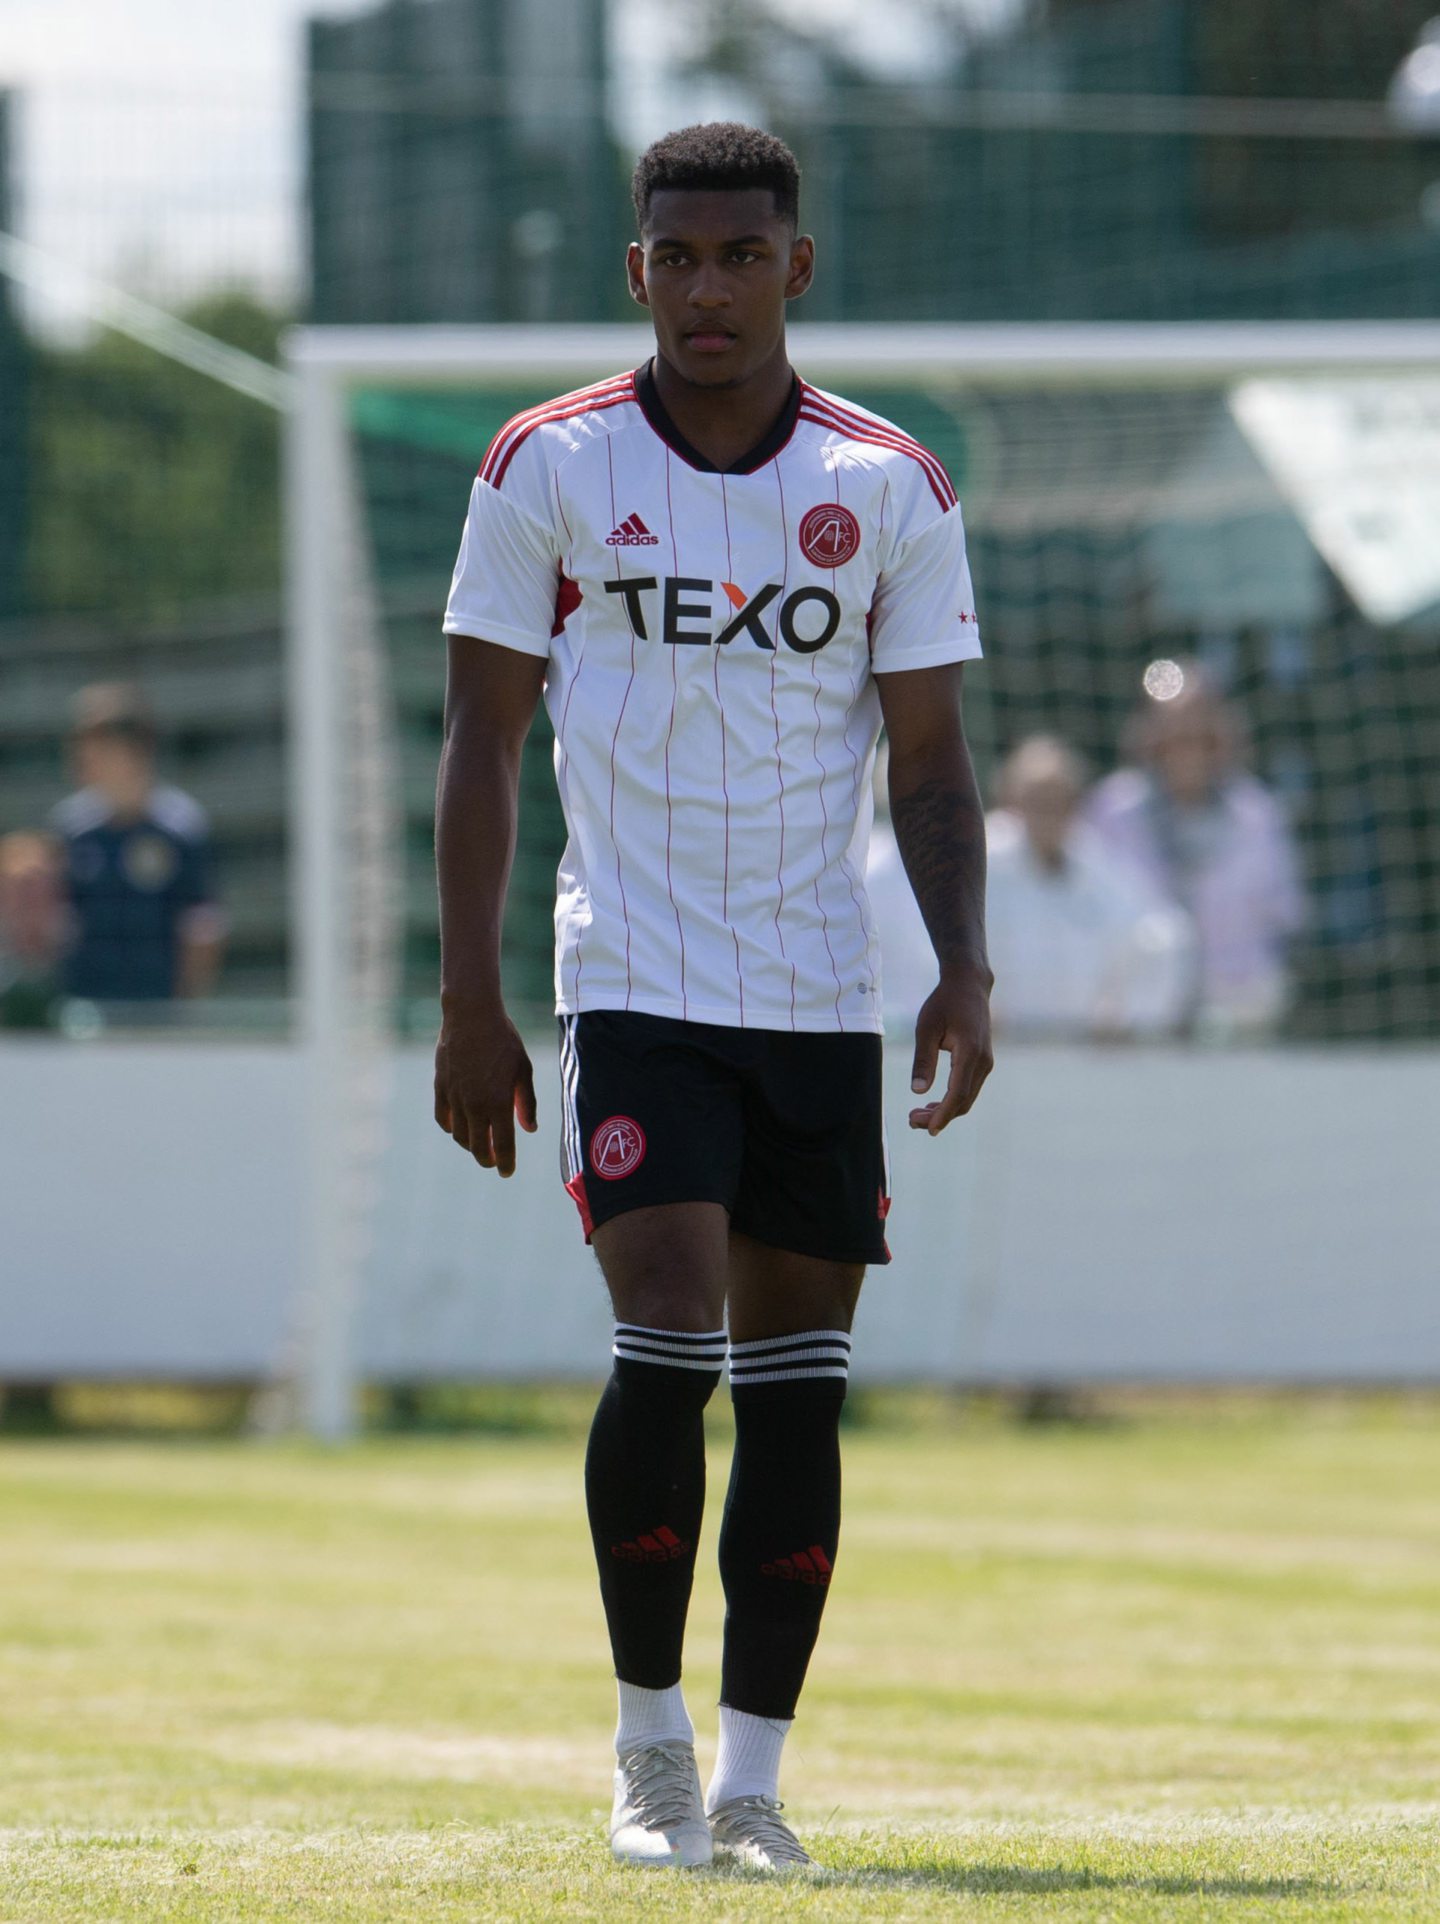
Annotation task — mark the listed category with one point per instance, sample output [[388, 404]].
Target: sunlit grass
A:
[[1180, 1664]]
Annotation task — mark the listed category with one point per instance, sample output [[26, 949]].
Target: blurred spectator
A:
[[146, 923], [1081, 945], [32, 925], [1213, 839]]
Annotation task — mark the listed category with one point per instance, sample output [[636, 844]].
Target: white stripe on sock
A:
[[804, 1355], [673, 1349], [762, 1343]]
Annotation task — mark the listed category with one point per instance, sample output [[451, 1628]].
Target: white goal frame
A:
[[325, 599]]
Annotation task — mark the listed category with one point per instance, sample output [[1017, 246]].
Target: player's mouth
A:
[[710, 340]]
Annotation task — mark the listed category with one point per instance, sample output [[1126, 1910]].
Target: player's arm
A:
[[940, 830], [201, 926], [202, 948], [483, 1077]]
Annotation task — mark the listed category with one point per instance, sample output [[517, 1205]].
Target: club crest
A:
[[617, 1147], [829, 535]]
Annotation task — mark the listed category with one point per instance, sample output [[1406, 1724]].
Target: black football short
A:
[[785, 1131]]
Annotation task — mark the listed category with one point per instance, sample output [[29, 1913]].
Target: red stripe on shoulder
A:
[[525, 415], [939, 481], [520, 424], [834, 414], [497, 473], [576, 403], [881, 433]]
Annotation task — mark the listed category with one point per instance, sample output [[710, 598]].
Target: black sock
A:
[[645, 1491], [782, 1514]]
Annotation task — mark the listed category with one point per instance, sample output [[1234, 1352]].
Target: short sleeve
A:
[[506, 576], [923, 612]]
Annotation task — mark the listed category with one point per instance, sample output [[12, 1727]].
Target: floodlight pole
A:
[[314, 472]]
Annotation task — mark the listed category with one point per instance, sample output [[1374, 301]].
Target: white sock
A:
[[651, 1717], [747, 1764]]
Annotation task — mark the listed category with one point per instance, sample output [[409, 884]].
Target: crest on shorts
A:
[[829, 535], [617, 1147]]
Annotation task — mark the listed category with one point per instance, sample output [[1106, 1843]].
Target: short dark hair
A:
[[718, 153], [116, 709]]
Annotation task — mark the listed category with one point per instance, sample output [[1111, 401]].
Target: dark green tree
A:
[[152, 487]]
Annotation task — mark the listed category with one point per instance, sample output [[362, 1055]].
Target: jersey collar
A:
[[653, 408]]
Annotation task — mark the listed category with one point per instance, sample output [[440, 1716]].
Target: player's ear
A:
[[802, 267], [635, 273]]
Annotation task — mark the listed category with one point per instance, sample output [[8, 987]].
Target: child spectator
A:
[[146, 923]]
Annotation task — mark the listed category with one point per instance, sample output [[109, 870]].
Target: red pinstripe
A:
[[779, 765], [824, 811], [669, 811], [614, 744], [570, 692], [724, 770]]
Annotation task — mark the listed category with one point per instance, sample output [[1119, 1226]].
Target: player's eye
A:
[[674, 260], [743, 254]]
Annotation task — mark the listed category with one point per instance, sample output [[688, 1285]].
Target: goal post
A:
[[1216, 487]]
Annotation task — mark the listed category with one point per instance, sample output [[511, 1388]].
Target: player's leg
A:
[[790, 1318], [808, 1218], [648, 1119], [665, 1268]]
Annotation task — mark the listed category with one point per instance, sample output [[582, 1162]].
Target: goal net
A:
[[1262, 497]]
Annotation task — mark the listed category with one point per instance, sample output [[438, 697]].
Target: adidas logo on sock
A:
[[632, 533], [804, 1566], [656, 1546]]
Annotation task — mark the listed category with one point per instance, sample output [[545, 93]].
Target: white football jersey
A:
[[711, 640]]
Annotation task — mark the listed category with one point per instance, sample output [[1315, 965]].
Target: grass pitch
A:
[[1185, 1665]]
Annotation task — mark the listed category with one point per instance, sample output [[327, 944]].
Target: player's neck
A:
[[725, 423]]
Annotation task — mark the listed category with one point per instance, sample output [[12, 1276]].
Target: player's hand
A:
[[956, 1018], [483, 1084]]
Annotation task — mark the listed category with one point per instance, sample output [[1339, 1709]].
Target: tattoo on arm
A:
[[940, 829]]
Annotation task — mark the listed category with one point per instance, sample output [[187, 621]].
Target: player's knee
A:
[[666, 1302], [660, 1277]]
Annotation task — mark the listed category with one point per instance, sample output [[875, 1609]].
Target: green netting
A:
[[1107, 527]]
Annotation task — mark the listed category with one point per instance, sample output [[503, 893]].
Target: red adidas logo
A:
[[656, 1546], [632, 533], [805, 1566]]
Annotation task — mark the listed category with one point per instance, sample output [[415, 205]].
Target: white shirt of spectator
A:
[[711, 642], [1083, 950]]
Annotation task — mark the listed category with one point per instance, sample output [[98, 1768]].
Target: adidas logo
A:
[[632, 533], [805, 1566], [657, 1546]]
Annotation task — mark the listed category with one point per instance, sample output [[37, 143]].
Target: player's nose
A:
[[708, 290]]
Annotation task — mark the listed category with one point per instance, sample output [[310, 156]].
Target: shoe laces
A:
[[660, 1784], [757, 1820]]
